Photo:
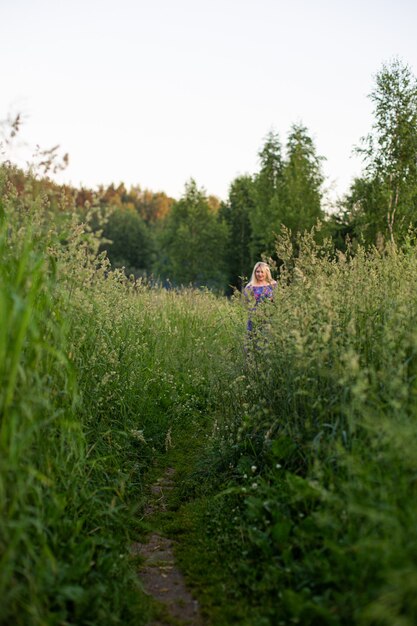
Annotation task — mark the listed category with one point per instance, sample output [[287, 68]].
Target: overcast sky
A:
[[154, 93]]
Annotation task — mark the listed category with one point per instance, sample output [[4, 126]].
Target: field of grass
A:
[[296, 452]]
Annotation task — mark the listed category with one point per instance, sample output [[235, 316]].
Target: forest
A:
[[124, 358]]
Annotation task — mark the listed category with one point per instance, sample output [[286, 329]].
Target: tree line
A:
[[200, 240]]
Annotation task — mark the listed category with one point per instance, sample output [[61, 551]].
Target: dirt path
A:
[[160, 576]]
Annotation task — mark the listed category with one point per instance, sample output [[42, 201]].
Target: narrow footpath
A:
[[160, 576]]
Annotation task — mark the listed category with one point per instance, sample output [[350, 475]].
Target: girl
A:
[[260, 288]]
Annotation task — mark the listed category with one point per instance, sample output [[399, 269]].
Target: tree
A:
[[151, 206], [236, 214], [112, 195], [266, 194], [385, 198], [193, 241], [130, 244], [300, 201], [286, 191]]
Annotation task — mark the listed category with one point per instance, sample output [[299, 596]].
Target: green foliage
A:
[[236, 214], [267, 186], [314, 451], [301, 501], [300, 505], [302, 182], [90, 390], [130, 243], [61, 560], [384, 199], [193, 242], [286, 192]]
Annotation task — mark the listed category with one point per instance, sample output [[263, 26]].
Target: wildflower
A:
[[138, 434], [278, 465], [254, 485], [254, 468]]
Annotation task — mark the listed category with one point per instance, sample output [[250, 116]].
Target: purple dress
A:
[[256, 294]]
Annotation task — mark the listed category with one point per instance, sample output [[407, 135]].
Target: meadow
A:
[[296, 452]]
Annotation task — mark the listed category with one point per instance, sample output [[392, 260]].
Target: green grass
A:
[[296, 493], [299, 507], [96, 373], [316, 449]]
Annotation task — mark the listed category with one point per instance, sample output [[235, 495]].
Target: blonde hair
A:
[[269, 278]]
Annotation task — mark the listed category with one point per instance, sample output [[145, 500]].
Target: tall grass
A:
[[308, 468], [59, 555], [322, 454], [96, 371]]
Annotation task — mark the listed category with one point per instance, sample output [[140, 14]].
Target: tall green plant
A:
[[61, 501], [302, 182], [267, 185], [316, 444], [384, 198], [193, 242], [236, 214]]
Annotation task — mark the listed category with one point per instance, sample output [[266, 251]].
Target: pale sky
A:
[[154, 93]]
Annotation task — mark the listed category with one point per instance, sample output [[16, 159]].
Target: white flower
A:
[[254, 468]]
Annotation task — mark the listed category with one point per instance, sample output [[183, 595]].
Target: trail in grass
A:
[[160, 576]]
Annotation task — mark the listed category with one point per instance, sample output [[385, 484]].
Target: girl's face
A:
[[260, 273]]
